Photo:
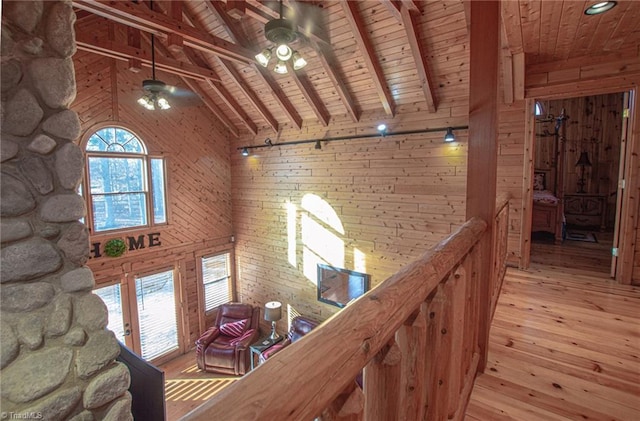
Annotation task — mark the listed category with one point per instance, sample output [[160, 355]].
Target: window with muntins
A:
[[126, 185], [216, 278]]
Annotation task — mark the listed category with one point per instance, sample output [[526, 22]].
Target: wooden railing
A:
[[500, 246], [415, 335]]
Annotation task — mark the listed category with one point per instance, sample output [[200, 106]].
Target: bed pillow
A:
[[234, 329], [539, 181]]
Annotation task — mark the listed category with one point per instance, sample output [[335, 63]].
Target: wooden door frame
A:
[[629, 212]]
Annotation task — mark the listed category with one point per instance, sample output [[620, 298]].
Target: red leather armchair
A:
[[300, 326], [224, 348]]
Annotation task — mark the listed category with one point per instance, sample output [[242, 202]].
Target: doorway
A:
[[144, 313], [585, 157]]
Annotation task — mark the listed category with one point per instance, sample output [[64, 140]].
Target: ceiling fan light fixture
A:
[[281, 68], [263, 57], [284, 52], [298, 61], [601, 7], [147, 102], [162, 103]]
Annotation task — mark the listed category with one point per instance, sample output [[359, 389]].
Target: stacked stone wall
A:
[[57, 359]]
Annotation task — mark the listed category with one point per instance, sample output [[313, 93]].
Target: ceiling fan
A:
[[156, 91], [281, 33]]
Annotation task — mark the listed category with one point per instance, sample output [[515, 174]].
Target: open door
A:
[[626, 107]]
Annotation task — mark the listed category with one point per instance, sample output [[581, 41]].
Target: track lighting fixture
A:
[[449, 136], [381, 131]]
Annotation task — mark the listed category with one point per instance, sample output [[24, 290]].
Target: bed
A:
[[547, 215]]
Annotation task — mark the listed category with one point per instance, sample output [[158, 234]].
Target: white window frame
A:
[[146, 175], [229, 283]]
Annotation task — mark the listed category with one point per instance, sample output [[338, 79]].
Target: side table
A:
[[262, 345]]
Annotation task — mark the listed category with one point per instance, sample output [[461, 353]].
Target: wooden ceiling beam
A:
[[222, 92], [265, 11], [126, 53], [393, 7], [193, 85], [305, 86], [420, 54], [322, 46], [329, 63], [139, 16], [368, 53], [240, 39], [510, 13]]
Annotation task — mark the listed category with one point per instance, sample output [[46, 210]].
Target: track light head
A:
[[449, 136], [245, 152]]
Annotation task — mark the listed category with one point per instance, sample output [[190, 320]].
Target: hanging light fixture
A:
[[281, 32], [154, 98], [449, 136]]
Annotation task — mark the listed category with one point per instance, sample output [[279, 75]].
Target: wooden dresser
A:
[[585, 210]]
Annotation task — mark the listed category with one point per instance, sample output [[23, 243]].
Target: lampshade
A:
[[583, 161], [272, 311], [281, 67]]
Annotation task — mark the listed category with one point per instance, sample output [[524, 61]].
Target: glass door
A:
[[157, 318], [144, 314]]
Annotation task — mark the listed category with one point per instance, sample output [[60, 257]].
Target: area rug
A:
[[588, 237]]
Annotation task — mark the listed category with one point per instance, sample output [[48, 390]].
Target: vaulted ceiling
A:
[[363, 56]]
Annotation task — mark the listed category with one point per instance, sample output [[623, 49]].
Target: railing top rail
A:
[[305, 378]]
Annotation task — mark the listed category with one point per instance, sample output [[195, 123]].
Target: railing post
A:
[[382, 384], [437, 359], [412, 339], [455, 290]]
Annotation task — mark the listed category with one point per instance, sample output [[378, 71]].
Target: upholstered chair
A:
[[224, 348], [300, 326]]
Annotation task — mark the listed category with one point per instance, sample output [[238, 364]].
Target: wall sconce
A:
[[273, 313], [449, 136]]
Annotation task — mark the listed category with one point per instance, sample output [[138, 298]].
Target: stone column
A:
[[57, 359]]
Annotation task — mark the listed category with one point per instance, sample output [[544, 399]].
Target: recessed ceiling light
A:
[[603, 6]]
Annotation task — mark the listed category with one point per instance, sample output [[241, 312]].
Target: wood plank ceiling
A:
[[363, 55]]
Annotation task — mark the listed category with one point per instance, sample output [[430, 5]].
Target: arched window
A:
[[539, 109], [126, 186]]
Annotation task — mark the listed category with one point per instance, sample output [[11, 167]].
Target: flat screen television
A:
[[339, 286]]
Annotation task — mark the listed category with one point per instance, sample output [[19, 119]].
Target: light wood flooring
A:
[[186, 387], [564, 345]]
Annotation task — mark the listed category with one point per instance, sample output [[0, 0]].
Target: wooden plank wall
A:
[[573, 78], [594, 126], [393, 196], [198, 174]]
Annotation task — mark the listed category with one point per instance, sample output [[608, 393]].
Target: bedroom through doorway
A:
[[577, 156]]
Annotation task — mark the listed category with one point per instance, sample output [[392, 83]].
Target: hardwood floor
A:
[[564, 345], [186, 387]]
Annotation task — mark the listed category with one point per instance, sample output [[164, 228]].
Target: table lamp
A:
[[273, 313]]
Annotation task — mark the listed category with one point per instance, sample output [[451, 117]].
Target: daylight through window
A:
[[126, 186]]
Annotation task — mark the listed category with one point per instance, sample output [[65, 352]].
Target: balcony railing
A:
[[406, 350]]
